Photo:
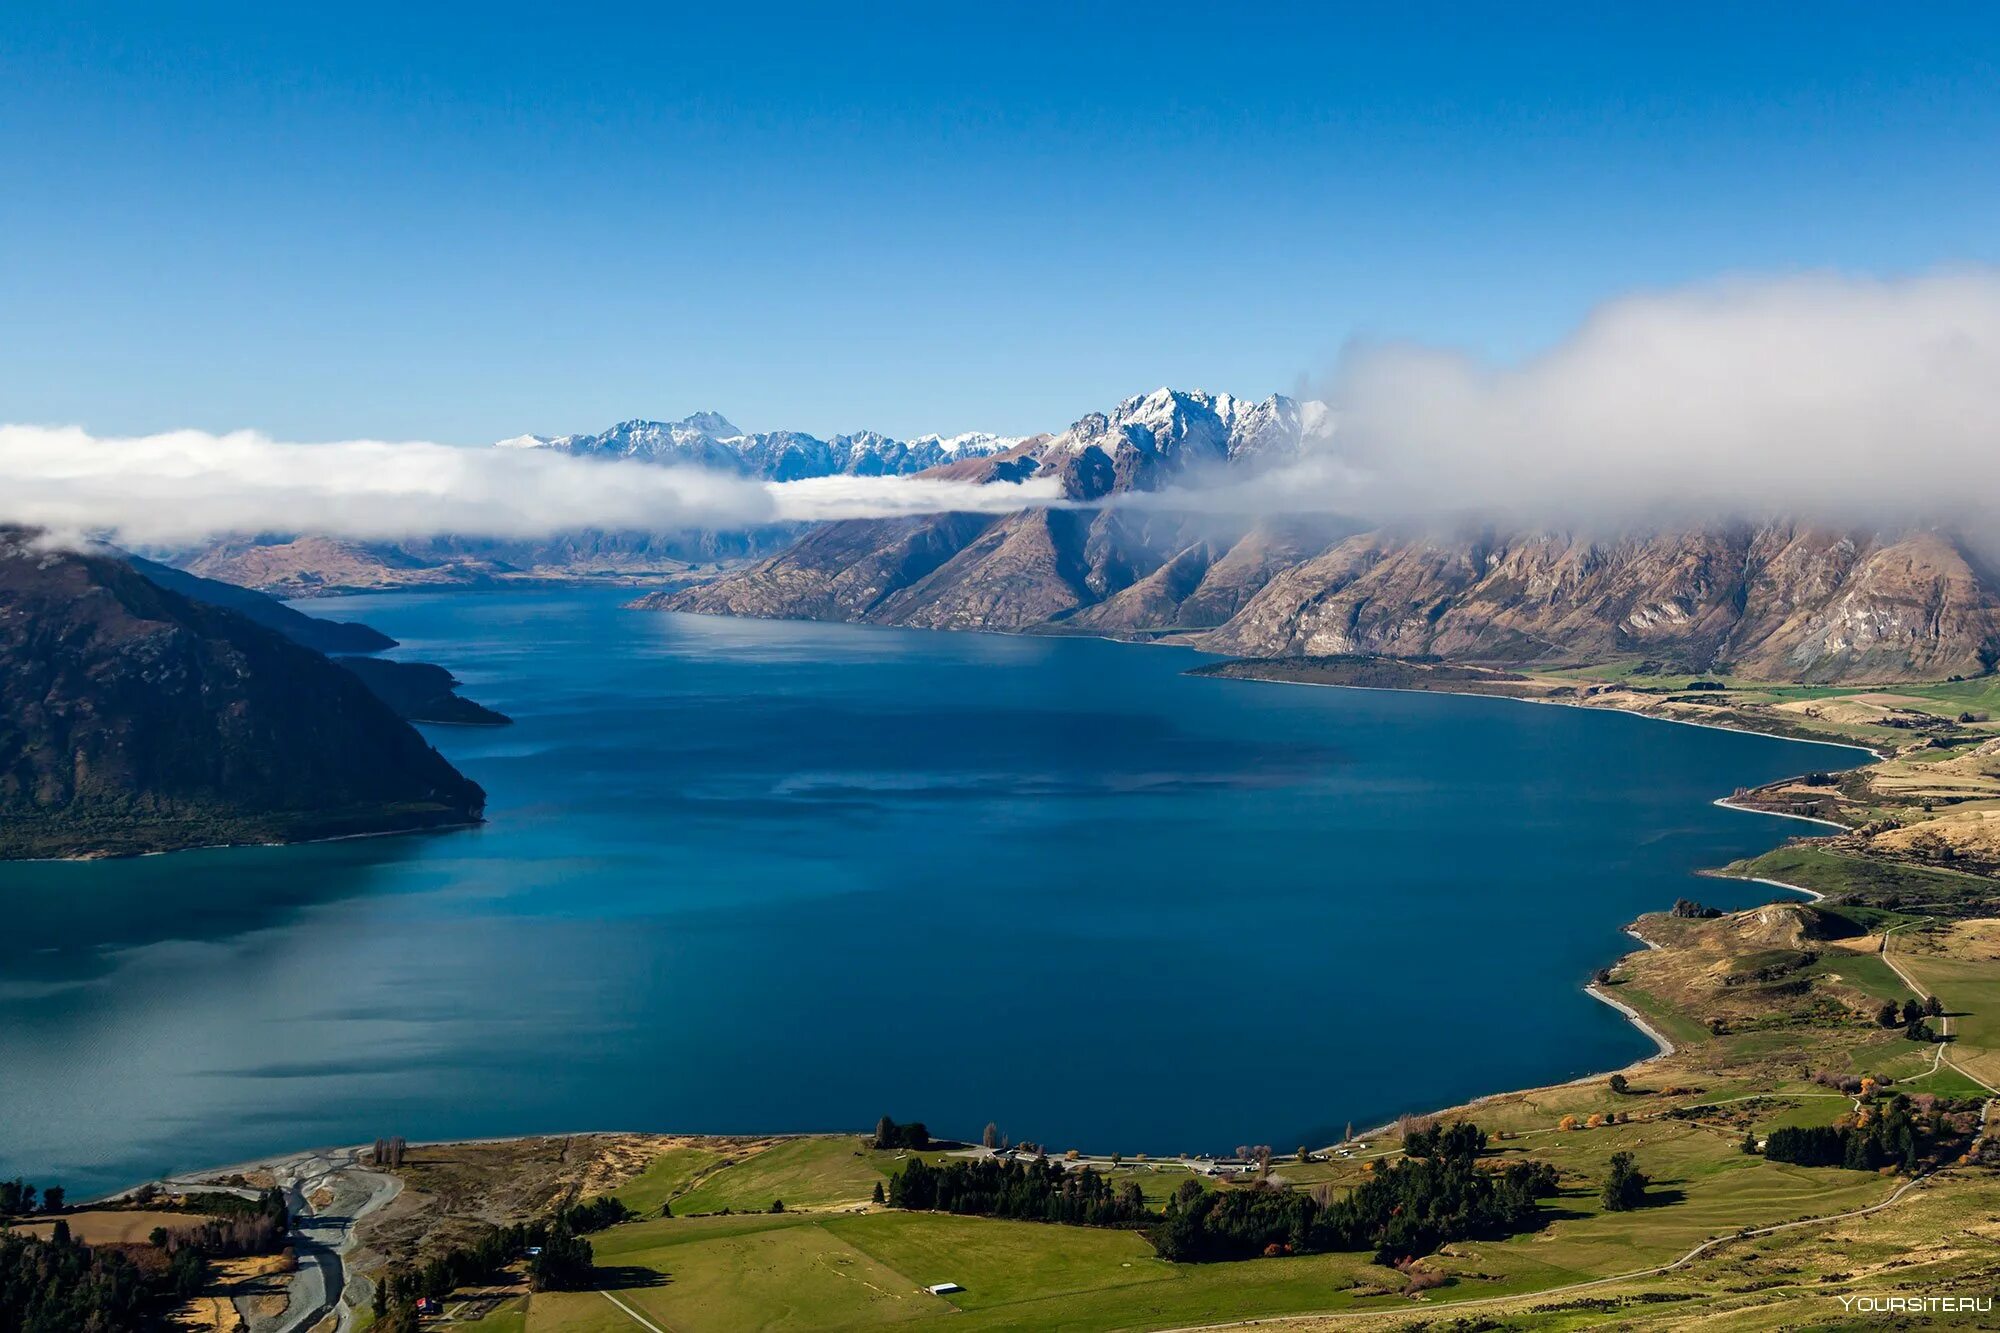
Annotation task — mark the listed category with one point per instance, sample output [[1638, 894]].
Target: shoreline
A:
[[1596, 992], [81, 858], [1876, 756], [1664, 1045]]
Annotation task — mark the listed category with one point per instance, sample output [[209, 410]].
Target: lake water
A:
[[747, 876]]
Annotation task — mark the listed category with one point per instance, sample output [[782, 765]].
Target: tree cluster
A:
[[17, 1196], [564, 1264], [244, 1226], [61, 1285], [1027, 1191], [1899, 1133], [889, 1134], [1437, 1194]]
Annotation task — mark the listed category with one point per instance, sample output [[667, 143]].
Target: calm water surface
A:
[[754, 876]]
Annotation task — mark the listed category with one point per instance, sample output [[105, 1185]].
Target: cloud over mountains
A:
[[186, 486], [1815, 396]]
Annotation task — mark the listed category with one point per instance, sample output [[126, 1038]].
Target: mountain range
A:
[[707, 439], [1775, 600], [1126, 556], [311, 565]]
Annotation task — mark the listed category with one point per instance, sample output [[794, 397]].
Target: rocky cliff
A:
[[135, 719]]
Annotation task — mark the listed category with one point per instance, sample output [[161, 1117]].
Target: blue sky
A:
[[475, 222]]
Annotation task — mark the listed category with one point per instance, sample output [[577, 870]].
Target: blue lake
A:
[[747, 876]]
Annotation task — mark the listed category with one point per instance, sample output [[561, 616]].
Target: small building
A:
[[944, 1288]]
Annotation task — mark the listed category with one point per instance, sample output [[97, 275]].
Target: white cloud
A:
[[186, 486], [1817, 396], [818, 499]]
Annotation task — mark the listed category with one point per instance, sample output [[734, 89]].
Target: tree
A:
[[991, 1137], [777, 1205], [889, 1134], [1934, 1007], [1912, 1011], [1619, 1085], [565, 1262], [667, 1208], [878, 1192], [1749, 1144], [1886, 1016], [1625, 1187], [1918, 1030], [52, 1199]]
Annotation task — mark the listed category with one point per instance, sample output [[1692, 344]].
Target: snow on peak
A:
[[1145, 439], [709, 439]]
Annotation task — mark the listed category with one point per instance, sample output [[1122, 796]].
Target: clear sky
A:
[[473, 222]]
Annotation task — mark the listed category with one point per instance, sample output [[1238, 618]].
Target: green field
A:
[[866, 1269], [802, 1173], [670, 1174], [1830, 873], [1970, 992]]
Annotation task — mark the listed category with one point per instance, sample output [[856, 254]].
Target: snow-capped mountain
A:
[[1154, 438], [1145, 442], [709, 439]]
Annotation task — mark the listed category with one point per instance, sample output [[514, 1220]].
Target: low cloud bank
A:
[[1815, 396], [188, 486]]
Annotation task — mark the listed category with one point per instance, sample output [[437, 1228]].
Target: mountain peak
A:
[[710, 423]]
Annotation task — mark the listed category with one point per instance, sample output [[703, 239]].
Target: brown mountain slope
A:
[[134, 719], [310, 566], [1780, 601]]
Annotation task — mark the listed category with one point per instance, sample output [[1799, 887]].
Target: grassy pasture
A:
[[667, 1176], [867, 1269], [803, 1173]]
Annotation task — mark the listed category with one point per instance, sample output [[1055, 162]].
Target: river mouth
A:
[[752, 876]]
